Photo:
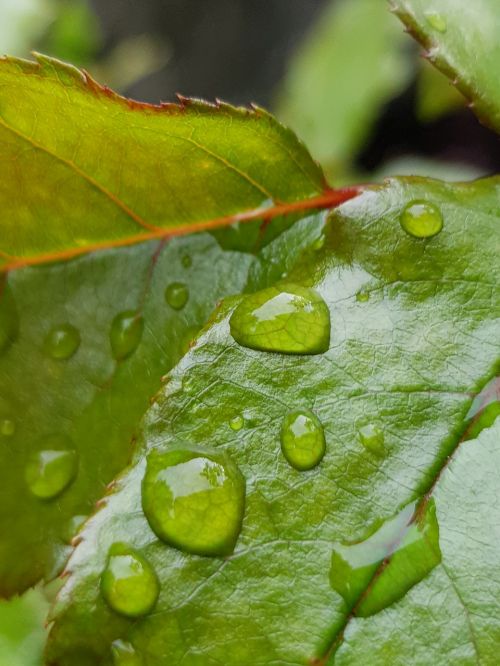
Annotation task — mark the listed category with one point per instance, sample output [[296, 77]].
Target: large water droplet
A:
[[124, 654], [62, 342], [372, 438], [52, 469], [289, 319], [126, 333], [302, 439], [484, 410], [421, 219], [177, 295], [410, 539], [9, 319], [436, 21], [7, 427], [194, 499], [129, 583]]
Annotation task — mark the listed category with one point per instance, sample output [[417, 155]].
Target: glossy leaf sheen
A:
[[123, 170], [409, 360]]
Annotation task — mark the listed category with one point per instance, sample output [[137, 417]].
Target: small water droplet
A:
[[319, 243], [410, 539], [7, 427], [362, 296], [194, 500], [124, 654], [436, 21], [372, 438], [186, 260], [290, 319], [484, 410], [9, 319], [52, 469], [62, 342], [302, 439], [73, 526], [177, 295], [125, 334], [421, 219], [129, 583], [237, 422]]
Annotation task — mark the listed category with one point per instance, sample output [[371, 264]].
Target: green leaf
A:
[[461, 39], [125, 171], [436, 95], [22, 631], [414, 328], [90, 400], [354, 61]]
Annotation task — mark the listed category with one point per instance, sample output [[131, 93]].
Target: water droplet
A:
[[410, 539], [124, 654], [62, 342], [289, 319], [186, 260], [126, 333], [129, 583], [319, 243], [484, 410], [7, 427], [372, 438], [421, 219], [362, 296], [436, 21], [177, 295], [237, 422], [302, 439], [73, 526], [52, 469], [9, 319], [194, 500]]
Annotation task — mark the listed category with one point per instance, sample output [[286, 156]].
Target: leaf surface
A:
[[461, 39], [91, 397], [414, 338], [83, 168]]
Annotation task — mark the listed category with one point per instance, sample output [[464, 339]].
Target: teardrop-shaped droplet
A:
[[484, 410], [126, 333], [53, 468], [194, 500], [290, 319], [237, 422], [9, 319], [62, 342], [177, 295], [124, 654], [421, 219], [129, 583], [302, 439], [372, 438], [436, 21], [410, 540], [187, 261], [7, 427]]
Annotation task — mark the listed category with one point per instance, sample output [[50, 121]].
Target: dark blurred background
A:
[[239, 50]]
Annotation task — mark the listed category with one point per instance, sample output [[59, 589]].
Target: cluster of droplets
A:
[[194, 499]]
